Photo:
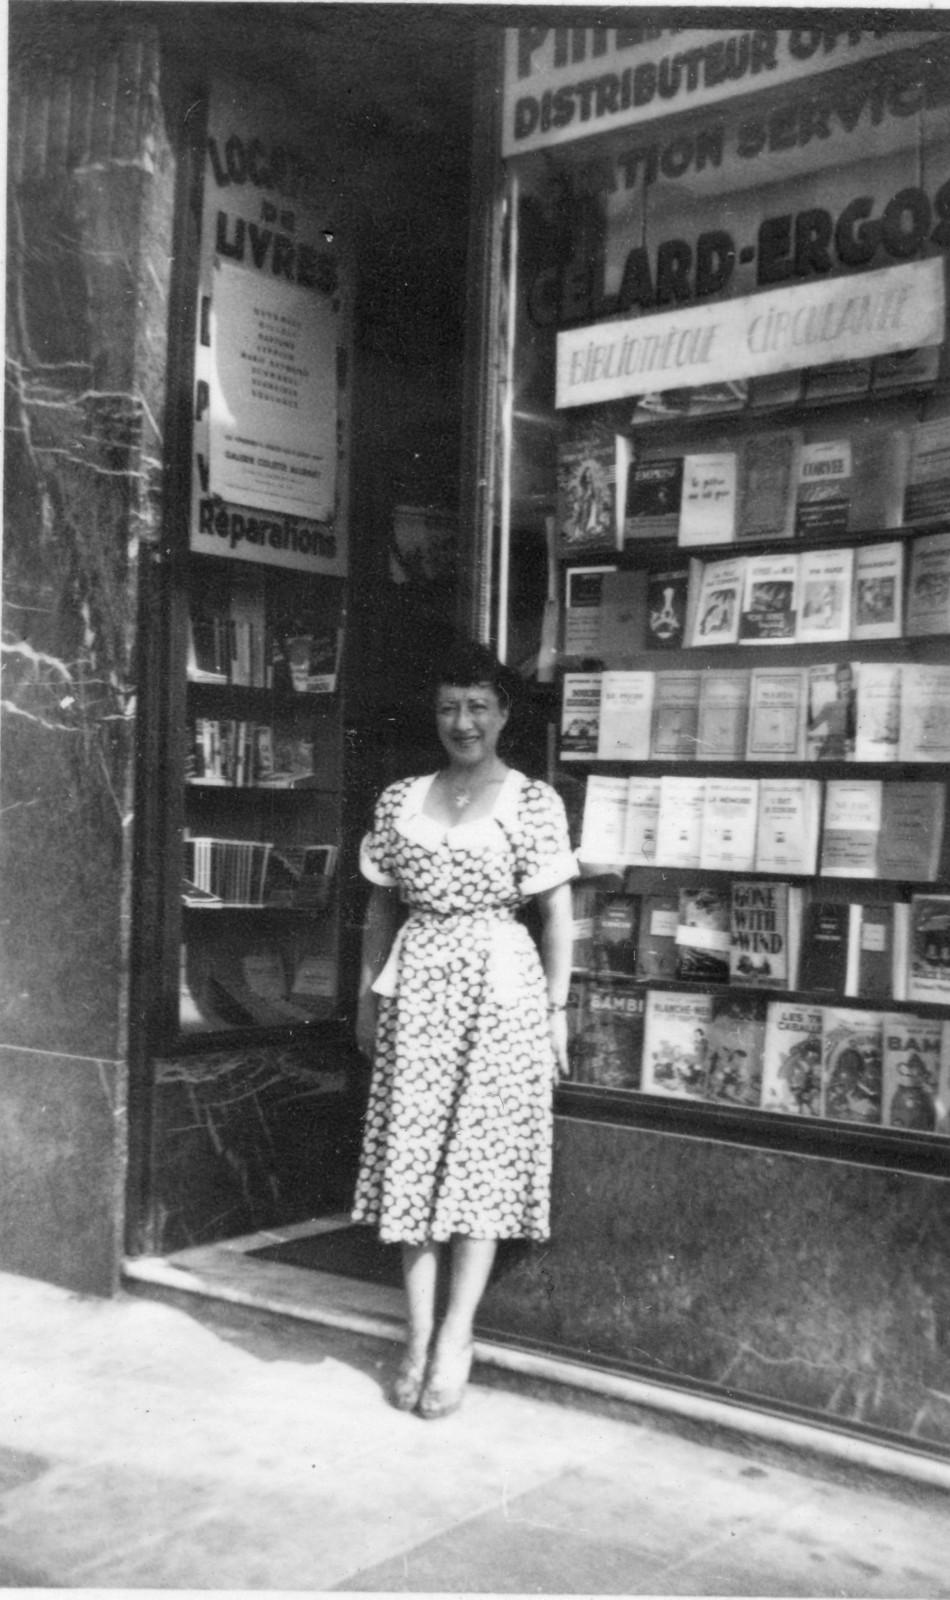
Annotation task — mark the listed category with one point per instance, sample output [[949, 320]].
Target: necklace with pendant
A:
[[463, 797]]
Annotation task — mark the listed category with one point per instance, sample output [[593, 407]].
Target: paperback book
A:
[[719, 588], [583, 610], [915, 1074], [603, 828], [832, 711], [667, 608], [680, 822], [730, 813], [676, 1043], [878, 591], [927, 496], [852, 1066], [587, 492], [607, 1035], [924, 733], [777, 708], [787, 835], [656, 945], [872, 951], [791, 1078], [769, 612], [615, 928], [928, 976], [580, 716], [823, 965], [825, 586], [823, 493], [877, 736], [912, 831], [736, 1049], [851, 828], [702, 935], [626, 708], [723, 714], [675, 728], [623, 616], [879, 458], [764, 934], [768, 474], [654, 496], [642, 812], [928, 589], [708, 509]]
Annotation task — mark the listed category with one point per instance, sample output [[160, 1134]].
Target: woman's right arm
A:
[[379, 931]]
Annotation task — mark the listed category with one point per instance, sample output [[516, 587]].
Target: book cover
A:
[[656, 944], [915, 1087], [623, 616], [924, 733], [626, 708], [832, 701], [654, 494], [718, 602], [614, 933], [791, 1077], [823, 964], [767, 477], [878, 591], [676, 1043], [293, 758], [879, 460], [603, 827], [928, 588], [675, 726], [583, 601], [824, 596], [736, 1049], [871, 933], [702, 935], [851, 828], [777, 708], [680, 822], [877, 736], [730, 814], [787, 835], [314, 985], [667, 608], [708, 507], [723, 714], [764, 928], [580, 716], [769, 612], [852, 1066], [641, 819], [584, 897], [927, 495], [836, 379], [607, 1037], [928, 975], [912, 831], [823, 491], [587, 491]]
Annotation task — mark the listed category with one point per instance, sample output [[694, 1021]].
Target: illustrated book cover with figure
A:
[[770, 599], [736, 1049], [928, 586], [916, 1073], [653, 499], [606, 1041], [718, 602], [928, 976], [676, 1043], [852, 1065], [824, 596], [832, 710], [791, 1078], [587, 492], [878, 591], [702, 934], [667, 606]]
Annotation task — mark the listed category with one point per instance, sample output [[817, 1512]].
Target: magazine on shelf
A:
[[708, 509], [791, 1079], [878, 597], [852, 1065], [916, 1078], [736, 1049], [676, 1043]]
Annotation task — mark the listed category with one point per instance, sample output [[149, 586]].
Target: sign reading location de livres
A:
[[810, 324]]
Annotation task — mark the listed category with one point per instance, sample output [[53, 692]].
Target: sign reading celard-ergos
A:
[[565, 83], [265, 431]]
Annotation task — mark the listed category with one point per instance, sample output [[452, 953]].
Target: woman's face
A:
[[469, 722]]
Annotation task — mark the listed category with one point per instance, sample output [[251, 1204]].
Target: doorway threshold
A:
[[235, 1271]]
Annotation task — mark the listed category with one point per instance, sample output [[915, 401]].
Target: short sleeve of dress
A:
[[542, 846], [376, 848]]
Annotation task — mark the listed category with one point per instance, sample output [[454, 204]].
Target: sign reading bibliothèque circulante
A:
[[846, 318], [265, 430]]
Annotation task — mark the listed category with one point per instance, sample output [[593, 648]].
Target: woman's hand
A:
[[558, 1021]]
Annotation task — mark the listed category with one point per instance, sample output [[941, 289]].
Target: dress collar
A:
[[415, 825]]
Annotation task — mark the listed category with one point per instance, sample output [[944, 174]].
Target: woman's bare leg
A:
[[472, 1261], [420, 1271]]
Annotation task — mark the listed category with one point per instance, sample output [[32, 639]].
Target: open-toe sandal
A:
[[406, 1387]]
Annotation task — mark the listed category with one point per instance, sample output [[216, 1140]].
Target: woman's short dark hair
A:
[[468, 663]]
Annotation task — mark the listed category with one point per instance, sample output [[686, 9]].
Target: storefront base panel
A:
[[769, 1277], [248, 1138], [62, 1155]]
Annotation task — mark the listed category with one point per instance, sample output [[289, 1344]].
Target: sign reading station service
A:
[[566, 83], [265, 431], [806, 325]]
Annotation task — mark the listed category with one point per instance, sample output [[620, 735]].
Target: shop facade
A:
[[703, 344]]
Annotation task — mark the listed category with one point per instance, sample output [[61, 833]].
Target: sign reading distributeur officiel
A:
[[565, 83], [809, 324]]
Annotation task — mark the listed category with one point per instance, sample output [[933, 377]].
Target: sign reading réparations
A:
[[564, 83], [809, 324], [267, 362]]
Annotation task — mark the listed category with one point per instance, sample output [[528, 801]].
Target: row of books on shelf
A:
[[876, 1068], [264, 985], [844, 828], [762, 934], [811, 597], [776, 484], [255, 872], [233, 752], [828, 711], [237, 641]]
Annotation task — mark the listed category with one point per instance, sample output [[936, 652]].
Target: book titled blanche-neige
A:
[[676, 1043]]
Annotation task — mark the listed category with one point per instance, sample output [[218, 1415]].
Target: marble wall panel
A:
[[786, 1278]]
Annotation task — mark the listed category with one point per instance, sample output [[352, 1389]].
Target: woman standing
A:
[[468, 1023]]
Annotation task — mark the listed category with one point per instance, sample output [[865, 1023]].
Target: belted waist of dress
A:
[[504, 934]]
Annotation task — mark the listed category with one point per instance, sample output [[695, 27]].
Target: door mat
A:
[[347, 1252]]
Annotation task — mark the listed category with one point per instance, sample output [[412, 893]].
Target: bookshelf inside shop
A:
[[261, 806], [754, 744]]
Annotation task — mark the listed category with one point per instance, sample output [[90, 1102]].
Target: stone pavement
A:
[[187, 1444]]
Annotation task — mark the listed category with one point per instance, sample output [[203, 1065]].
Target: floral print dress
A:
[[458, 1126]]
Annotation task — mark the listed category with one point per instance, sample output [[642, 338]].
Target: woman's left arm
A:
[[557, 937]]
